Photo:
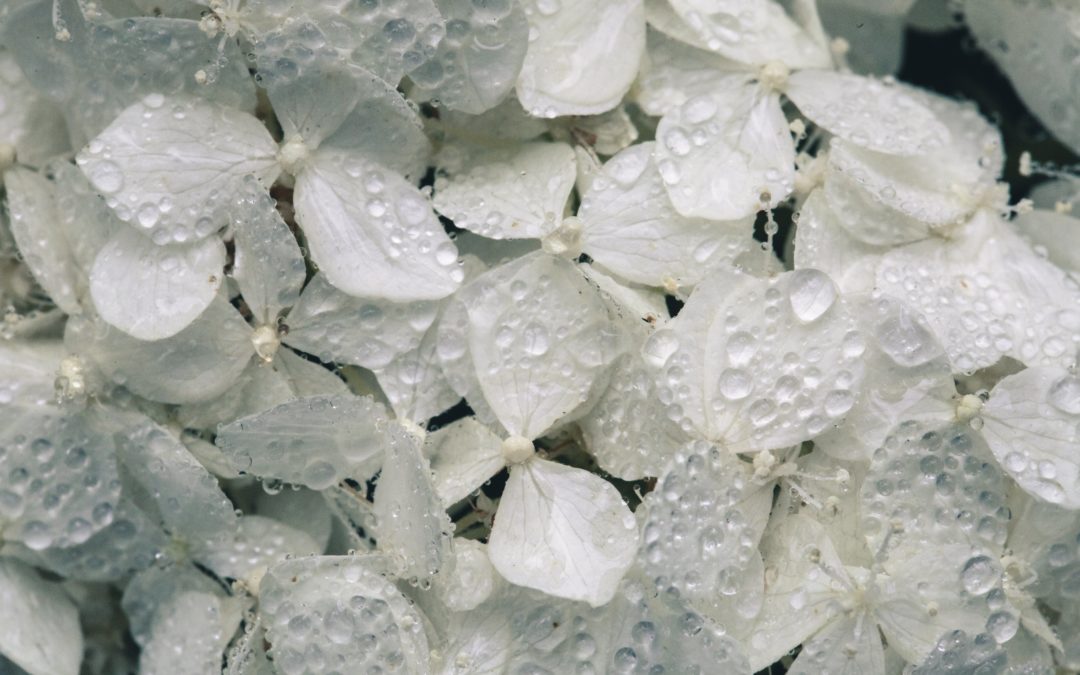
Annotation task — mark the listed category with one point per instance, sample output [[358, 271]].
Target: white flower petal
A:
[[822, 243], [477, 65], [907, 377], [1056, 233], [605, 134], [1066, 189], [662, 17], [187, 497], [131, 542], [40, 631], [718, 359], [303, 510], [932, 477], [851, 646], [316, 441], [361, 331], [563, 531], [885, 199], [62, 483], [269, 265], [754, 32], [109, 63], [1032, 425], [456, 361], [1034, 45], [260, 387], [856, 200], [410, 523], [799, 593], [722, 158], [931, 576], [355, 617], [478, 642], [198, 626], [957, 650], [821, 478], [867, 112], [372, 233], [153, 292], [538, 336], [414, 382], [29, 122], [259, 543], [463, 455], [383, 128], [36, 227], [702, 528], [85, 219], [640, 627], [507, 121], [674, 72], [313, 106], [630, 227], [628, 430], [156, 587], [170, 166], [389, 40], [197, 364], [27, 378], [471, 580], [987, 294], [584, 56], [512, 193]]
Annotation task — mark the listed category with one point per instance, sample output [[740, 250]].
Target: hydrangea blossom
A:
[[506, 336]]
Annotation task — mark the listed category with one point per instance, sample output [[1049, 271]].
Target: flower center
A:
[[293, 155], [968, 408], [265, 341], [774, 75], [71, 379], [565, 240], [517, 449]]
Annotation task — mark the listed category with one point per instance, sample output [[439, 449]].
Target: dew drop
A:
[[735, 384], [535, 339], [659, 347], [741, 348], [811, 294], [980, 575], [1065, 395], [106, 177]]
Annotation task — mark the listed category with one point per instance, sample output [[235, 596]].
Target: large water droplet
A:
[[535, 339], [741, 348], [107, 177], [906, 341], [735, 384], [1065, 395], [811, 294], [980, 575], [659, 347]]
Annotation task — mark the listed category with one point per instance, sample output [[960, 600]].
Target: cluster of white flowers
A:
[[432, 336]]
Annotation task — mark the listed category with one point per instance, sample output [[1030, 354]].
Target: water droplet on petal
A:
[[980, 575], [811, 294], [1065, 395], [659, 347], [735, 384]]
